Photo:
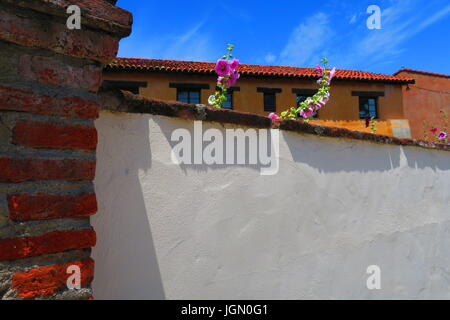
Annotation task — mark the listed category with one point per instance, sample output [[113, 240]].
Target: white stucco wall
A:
[[169, 231]]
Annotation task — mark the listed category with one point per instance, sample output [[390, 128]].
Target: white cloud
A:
[[434, 18], [235, 11], [400, 22], [372, 49], [306, 40], [192, 45], [270, 58], [315, 38]]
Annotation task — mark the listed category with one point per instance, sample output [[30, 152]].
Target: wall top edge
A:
[[123, 101]]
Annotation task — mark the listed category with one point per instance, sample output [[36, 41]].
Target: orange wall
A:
[[382, 127], [342, 106], [424, 105]]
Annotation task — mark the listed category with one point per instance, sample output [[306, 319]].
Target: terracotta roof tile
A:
[[246, 70]]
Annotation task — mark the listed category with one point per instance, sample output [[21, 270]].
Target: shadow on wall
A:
[[131, 269], [127, 219], [336, 155], [324, 154], [423, 159]]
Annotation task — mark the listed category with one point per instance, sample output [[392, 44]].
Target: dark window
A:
[[191, 96], [301, 98], [229, 103], [269, 102], [368, 107]]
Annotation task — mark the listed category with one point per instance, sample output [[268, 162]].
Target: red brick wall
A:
[[49, 80], [424, 101]]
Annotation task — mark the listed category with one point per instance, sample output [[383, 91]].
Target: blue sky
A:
[[415, 33]]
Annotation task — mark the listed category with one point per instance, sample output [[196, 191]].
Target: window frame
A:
[[230, 91], [272, 91], [367, 98], [266, 109], [231, 100], [189, 91]]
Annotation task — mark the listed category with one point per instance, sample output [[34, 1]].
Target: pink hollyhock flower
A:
[[273, 116], [234, 64], [219, 80], [319, 70], [222, 68], [324, 101], [332, 74], [442, 135], [232, 79], [307, 113], [434, 130]]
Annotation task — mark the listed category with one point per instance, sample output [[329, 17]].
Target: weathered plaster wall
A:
[[226, 232]]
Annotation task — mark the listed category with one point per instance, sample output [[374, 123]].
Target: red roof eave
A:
[[433, 74], [156, 65]]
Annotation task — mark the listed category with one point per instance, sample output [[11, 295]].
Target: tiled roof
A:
[[422, 72], [156, 65]]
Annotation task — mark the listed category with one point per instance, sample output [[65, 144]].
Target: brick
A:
[[31, 32], [48, 70], [54, 135], [52, 242], [96, 13], [45, 281], [43, 206], [71, 107], [21, 170]]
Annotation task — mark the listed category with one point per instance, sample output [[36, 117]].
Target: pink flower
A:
[[434, 130], [234, 64], [273, 116], [222, 68], [442, 135], [319, 81], [319, 70], [232, 79], [307, 113], [332, 74], [323, 101]]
